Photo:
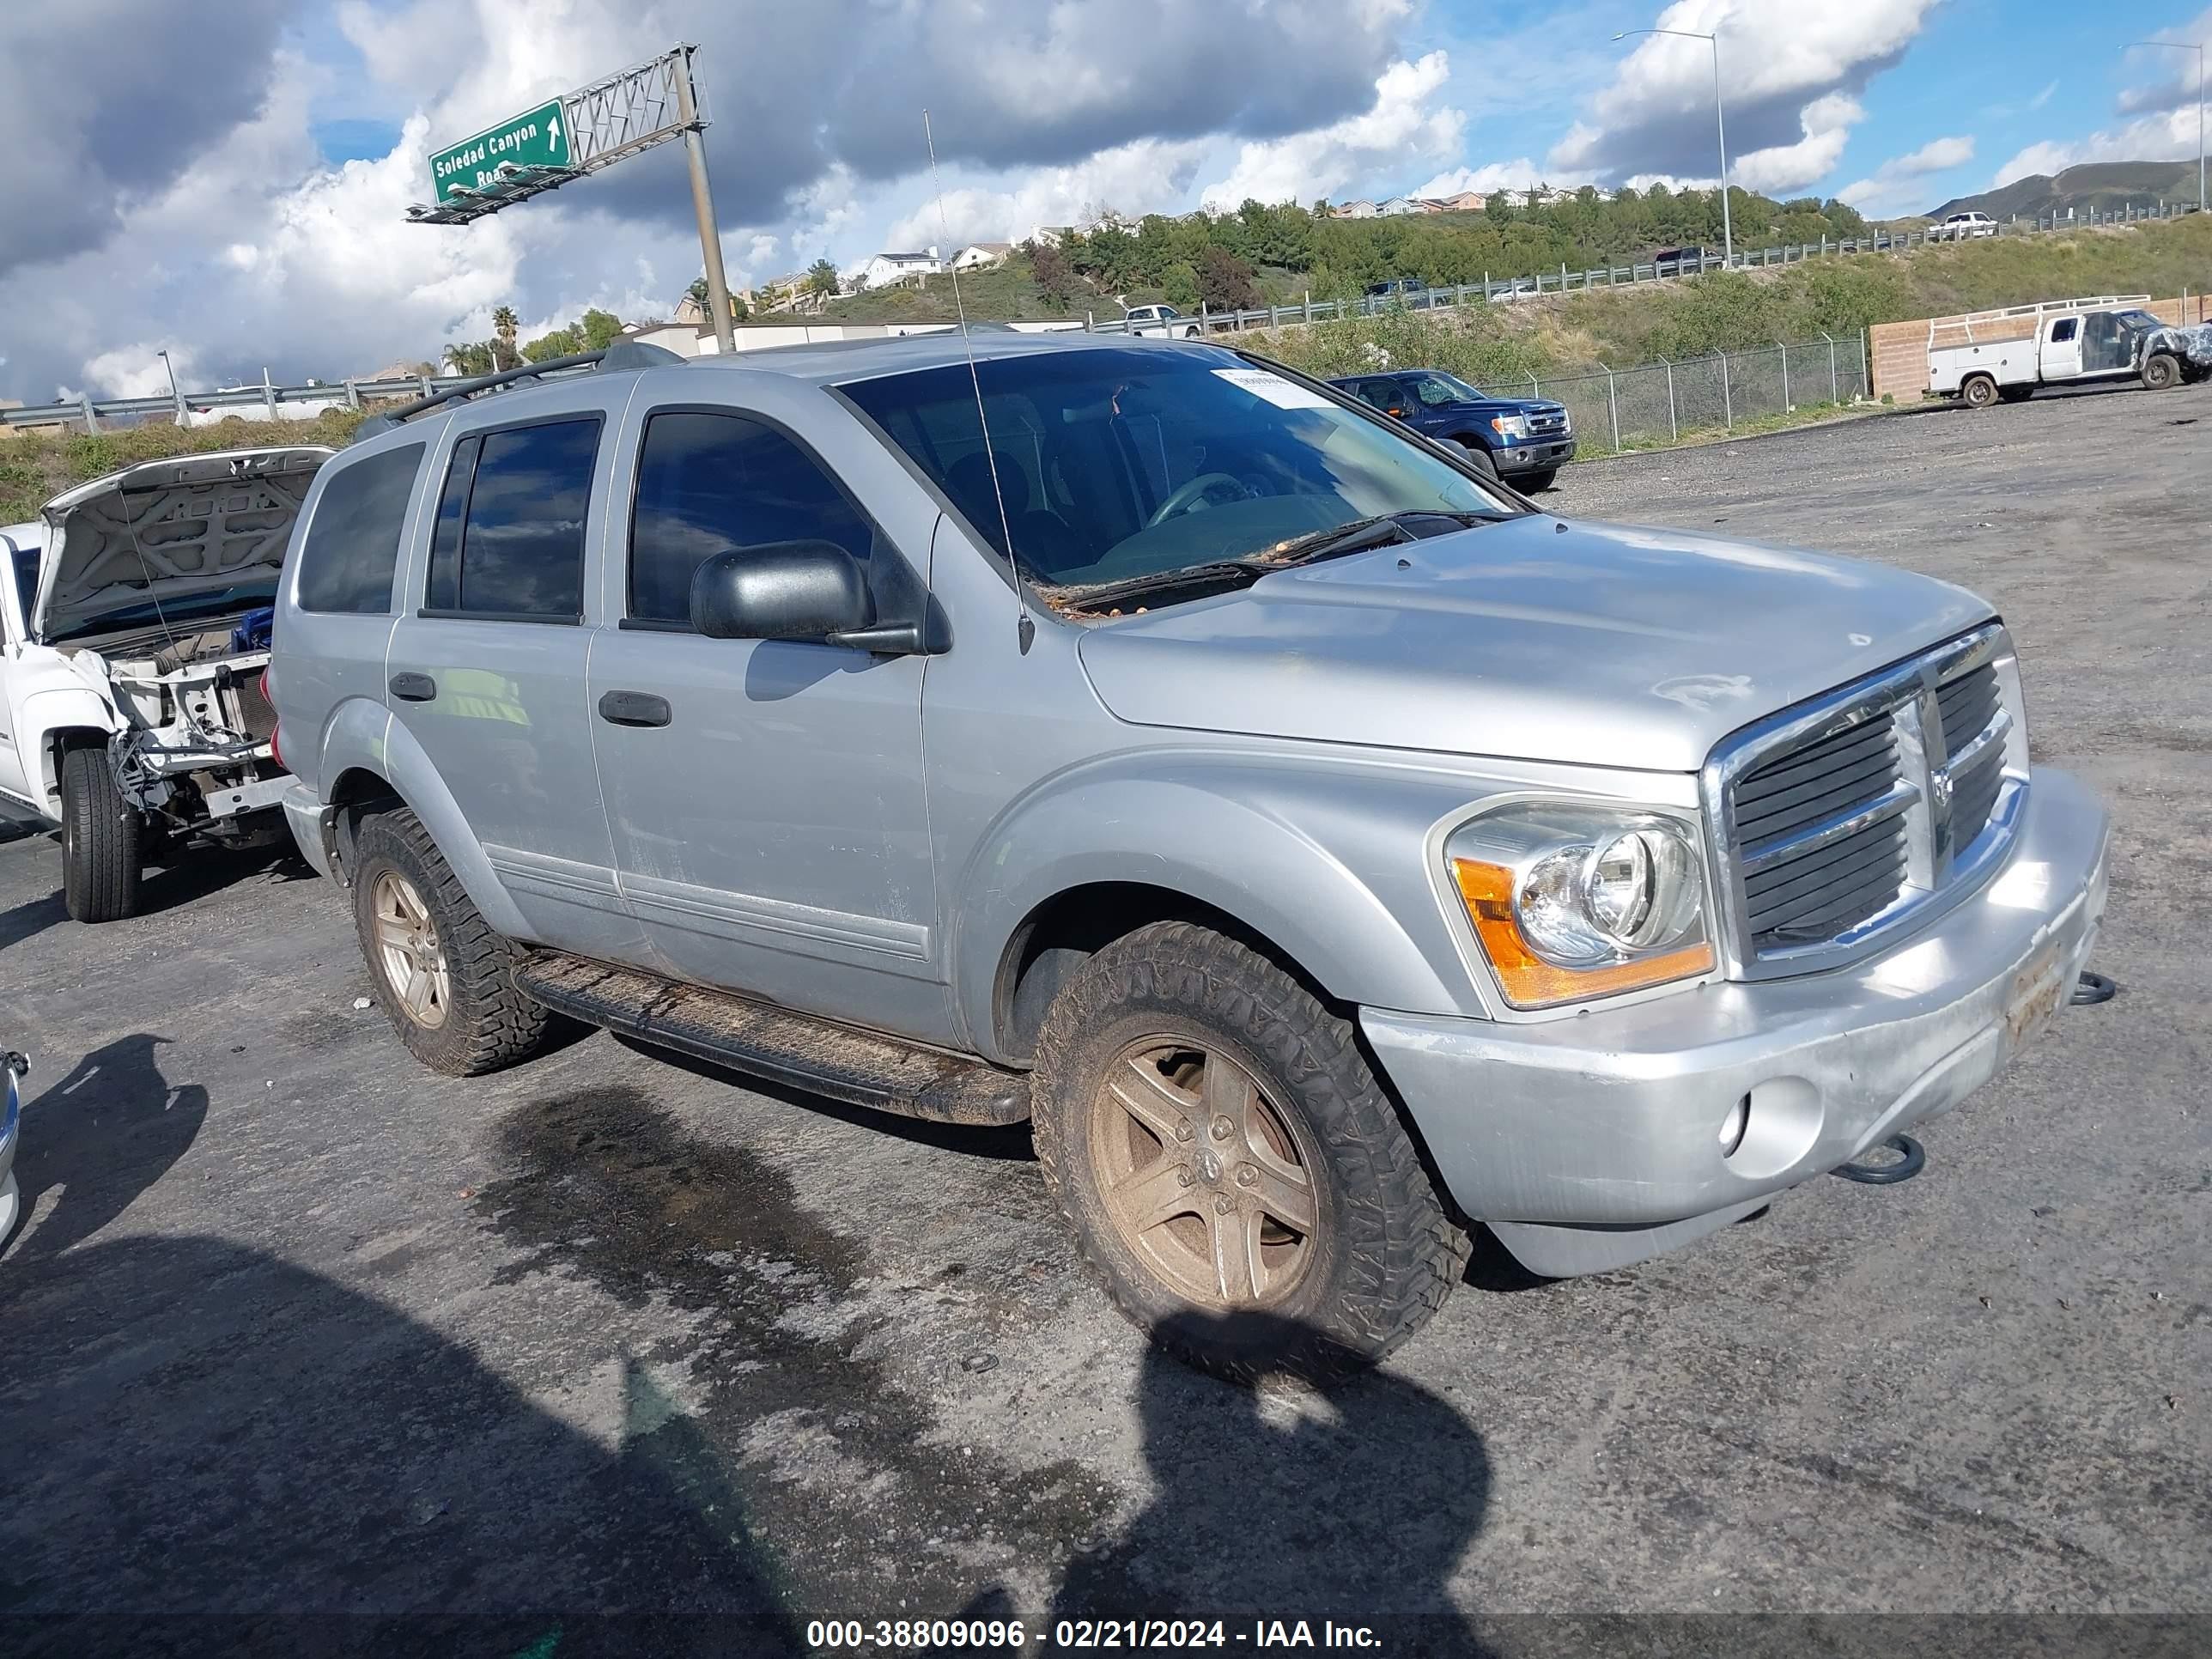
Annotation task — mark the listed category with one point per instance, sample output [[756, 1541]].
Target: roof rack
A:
[[620, 356]]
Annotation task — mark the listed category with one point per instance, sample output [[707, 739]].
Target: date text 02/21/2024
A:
[[905, 1635]]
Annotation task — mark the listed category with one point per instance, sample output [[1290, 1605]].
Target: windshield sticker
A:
[[1284, 394]]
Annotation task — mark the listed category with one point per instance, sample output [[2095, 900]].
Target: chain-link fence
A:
[[1657, 404]]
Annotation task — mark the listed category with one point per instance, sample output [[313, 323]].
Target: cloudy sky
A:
[[235, 191]]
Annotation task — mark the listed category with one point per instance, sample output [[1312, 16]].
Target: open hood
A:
[[1535, 638], [168, 533]]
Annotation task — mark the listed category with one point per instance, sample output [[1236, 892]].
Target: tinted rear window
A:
[[352, 544], [520, 513]]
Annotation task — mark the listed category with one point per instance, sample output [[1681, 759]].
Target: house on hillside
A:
[[1432, 205], [1467, 201], [1360, 208], [887, 269], [1397, 207], [982, 256], [1050, 235]]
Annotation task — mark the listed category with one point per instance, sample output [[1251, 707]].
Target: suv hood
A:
[[168, 531], [1533, 639]]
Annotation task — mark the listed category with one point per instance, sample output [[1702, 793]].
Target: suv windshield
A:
[[1125, 463]]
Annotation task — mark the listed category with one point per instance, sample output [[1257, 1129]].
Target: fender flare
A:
[[362, 736], [46, 718], [1243, 838]]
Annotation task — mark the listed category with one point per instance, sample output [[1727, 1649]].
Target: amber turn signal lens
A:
[[1527, 979]]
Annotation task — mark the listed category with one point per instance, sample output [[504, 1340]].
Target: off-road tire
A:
[[1387, 1254], [1479, 458], [2162, 373], [489, 1024], [1542, 478], [100, 832], [1979, 391]]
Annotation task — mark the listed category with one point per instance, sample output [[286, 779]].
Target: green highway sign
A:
[[535, 138]]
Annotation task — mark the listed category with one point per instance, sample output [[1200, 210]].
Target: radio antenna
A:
[[1024, 624]]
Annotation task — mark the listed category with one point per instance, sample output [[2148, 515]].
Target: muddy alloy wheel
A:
[[1202, 1177], [408, 950], [1235, 1176]]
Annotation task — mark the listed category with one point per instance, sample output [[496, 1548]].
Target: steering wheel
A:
[[1188, 495]]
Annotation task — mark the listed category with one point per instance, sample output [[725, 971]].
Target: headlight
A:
[[1510, 426], [1571, 902]]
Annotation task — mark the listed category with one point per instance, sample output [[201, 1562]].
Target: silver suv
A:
[[1322, 849]]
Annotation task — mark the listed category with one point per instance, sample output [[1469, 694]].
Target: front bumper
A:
[[1590, 1142], [1534, 456]]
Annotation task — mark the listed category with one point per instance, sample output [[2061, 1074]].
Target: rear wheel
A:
[[1234, 1172], [100, 832], [2162, 372], [1979, 391], [445, 979]]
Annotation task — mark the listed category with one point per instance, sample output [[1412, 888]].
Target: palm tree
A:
[[503, 323]]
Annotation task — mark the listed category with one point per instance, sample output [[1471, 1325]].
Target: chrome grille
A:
[[1839, 820], [1545, 426], [1819, 853]]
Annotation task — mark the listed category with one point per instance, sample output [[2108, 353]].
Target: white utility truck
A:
[[1988, 355]]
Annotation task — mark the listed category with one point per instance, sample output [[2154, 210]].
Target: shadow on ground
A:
[[214, 1450]]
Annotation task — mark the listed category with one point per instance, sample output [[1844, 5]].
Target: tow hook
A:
[[1912, 1158], [2093, 988]]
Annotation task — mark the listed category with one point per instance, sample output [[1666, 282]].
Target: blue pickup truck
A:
[[1526, 440]]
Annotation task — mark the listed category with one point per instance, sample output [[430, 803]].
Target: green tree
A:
[[697, 295], [1053, 276], [599, 329], [470, 357], [1225, 281], [1179, 282], [822, 278]]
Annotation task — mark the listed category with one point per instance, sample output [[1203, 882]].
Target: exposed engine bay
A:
[[196, 725]]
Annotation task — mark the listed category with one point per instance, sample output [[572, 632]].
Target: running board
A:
[[860, 1068]]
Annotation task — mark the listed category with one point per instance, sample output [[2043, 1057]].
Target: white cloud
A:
[[1791, 74], [1146, 177], [1519, 173], [1398, 127], [2168, 137], [2175, 85], [1884, 191]]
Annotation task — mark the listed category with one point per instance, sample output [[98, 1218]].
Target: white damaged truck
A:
[[135, 615]]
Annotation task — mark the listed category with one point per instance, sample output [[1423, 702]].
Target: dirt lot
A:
[[300, 1345]]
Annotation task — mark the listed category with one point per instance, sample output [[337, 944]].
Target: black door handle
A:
[[414, 688], [634, 708]]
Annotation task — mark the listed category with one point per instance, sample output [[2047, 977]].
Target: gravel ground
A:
[[301, 1346]]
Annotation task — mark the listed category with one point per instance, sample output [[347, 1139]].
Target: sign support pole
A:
[[702, 202]]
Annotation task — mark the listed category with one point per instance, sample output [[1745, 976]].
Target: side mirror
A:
[[809, 590]]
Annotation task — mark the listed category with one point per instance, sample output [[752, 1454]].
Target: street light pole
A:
[[2196, 46], [1720, 125]]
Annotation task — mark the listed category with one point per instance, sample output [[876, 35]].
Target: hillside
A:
[[2101, 185], [1736, 310]]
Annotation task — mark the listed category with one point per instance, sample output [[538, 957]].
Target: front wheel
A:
[[1542, 478], [1980, 391], [443, 977], [1235, 1172], [2162, 372], [1479, 458], [102, 858]]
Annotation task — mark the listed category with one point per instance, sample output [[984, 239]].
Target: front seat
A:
[[1047, 544]]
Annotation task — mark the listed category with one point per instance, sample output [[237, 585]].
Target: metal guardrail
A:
[[89, 411], [1491, 291]]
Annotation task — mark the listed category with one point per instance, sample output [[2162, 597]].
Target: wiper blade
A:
[[1361, 534], [1188, 575]]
